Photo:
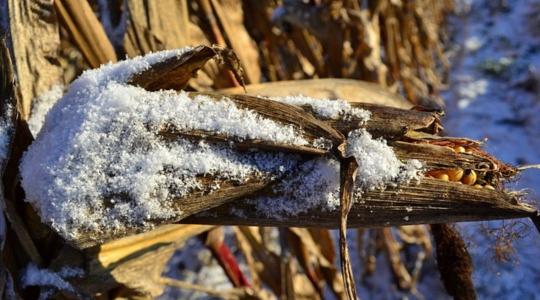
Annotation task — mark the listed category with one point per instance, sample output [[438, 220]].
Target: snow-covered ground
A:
[[494, 93]]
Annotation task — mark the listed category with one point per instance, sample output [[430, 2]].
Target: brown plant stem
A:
[[454, 262]]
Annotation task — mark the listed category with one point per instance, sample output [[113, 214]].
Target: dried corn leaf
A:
[[86, 30], [175, 72], [153, 27], [310, 127], [433, 201], [36, 42], [156, 26], [301, 243], [400, 272], [229, 14], [268, 262], [122, 262], [327, 88], [347, 177]]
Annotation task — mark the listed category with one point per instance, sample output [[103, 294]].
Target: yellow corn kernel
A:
[[488, 186], [455, 174], [469, 177], [479, 186], [442, 176], [459, 149]]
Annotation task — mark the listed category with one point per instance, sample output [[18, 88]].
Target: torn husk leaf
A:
[[348, 167], [174, 72]]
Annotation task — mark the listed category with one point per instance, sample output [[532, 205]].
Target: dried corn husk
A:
[[412, 134]]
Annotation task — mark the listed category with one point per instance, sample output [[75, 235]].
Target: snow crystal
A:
[[326, 108], [41, 106], [473, 43], [6, 131], [33, 276], [222, 117], [98, 164]]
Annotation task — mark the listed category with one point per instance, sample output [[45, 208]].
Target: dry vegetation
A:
[[396, 44]]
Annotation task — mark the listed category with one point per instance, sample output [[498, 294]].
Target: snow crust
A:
[[34, 276], [494, 94], [378, 164]]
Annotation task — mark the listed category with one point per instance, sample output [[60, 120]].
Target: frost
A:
[[331, 109], [33, 276], [41, 106], [378, 164]]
